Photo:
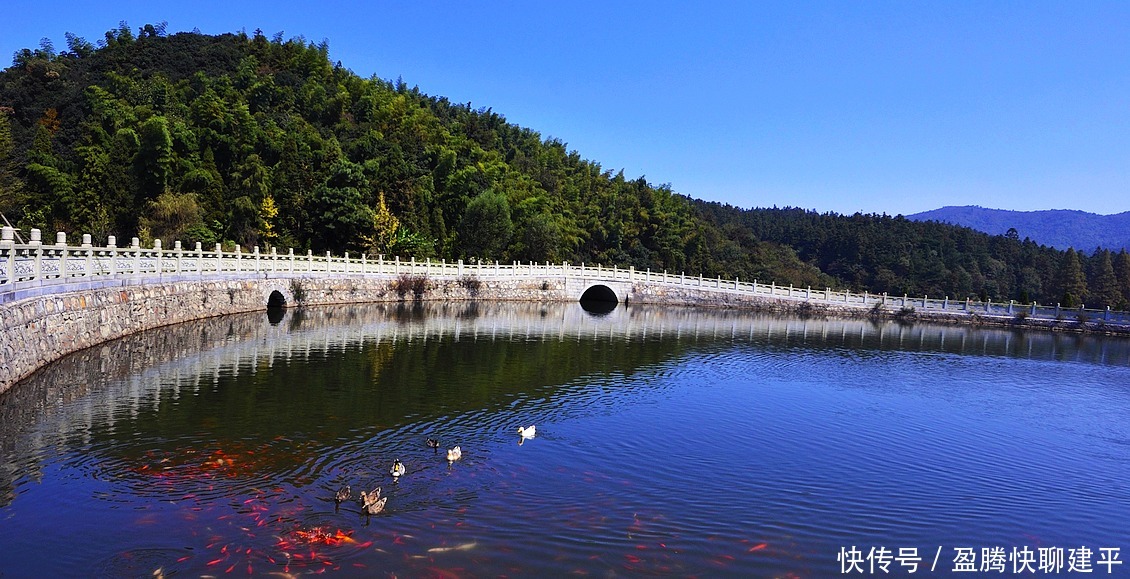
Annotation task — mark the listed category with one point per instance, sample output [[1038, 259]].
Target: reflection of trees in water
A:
[[322, 374], [330, 372]]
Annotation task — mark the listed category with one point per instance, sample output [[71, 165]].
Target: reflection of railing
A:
[[35, 265], [185, 358]]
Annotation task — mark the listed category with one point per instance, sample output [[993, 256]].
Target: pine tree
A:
[[1122, 278], [1072, 281], [1104, 287]]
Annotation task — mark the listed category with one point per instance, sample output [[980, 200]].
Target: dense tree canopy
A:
[[241, 139]]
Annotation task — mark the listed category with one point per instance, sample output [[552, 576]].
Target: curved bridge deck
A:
[[34, 269]]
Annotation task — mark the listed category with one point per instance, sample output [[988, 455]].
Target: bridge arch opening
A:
[[276, 300], [599, 300], [600, 293], [276, 307]]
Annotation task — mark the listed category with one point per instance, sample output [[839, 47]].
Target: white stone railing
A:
[[61, 267]]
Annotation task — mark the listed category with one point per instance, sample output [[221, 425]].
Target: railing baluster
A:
[[56, 265]]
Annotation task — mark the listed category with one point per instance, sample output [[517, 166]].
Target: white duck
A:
[[397, 469], [527, 432], [454, 454]]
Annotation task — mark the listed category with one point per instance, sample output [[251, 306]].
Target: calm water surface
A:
[[670, 442]]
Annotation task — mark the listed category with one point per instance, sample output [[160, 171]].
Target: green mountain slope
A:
[[264, 141]]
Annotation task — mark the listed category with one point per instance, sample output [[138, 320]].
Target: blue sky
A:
[[878, 106]]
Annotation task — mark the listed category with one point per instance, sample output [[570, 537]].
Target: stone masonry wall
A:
[[38, 330]]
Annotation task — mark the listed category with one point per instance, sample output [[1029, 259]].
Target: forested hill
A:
[[1059, 228], [252, 140]]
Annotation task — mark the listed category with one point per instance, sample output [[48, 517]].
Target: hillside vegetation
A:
[[244, 139]]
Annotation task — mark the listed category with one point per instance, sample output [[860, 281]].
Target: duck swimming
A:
[[527, 432], [433, 444], [374, 507], [369, 498], [342, 495], [454, 454], [397, 469]]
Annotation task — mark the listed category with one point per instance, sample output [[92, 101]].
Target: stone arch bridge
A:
[[58, 298]]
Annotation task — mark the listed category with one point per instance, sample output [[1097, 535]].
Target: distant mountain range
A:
[[1059, 228]]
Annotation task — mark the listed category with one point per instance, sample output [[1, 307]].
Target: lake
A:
[[669, 442]]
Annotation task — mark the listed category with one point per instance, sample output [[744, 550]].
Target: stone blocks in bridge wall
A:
[[36, 331]]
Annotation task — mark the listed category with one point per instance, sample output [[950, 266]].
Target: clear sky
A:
[[875, 106]]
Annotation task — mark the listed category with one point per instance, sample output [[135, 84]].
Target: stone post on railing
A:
[[177, 248], [8, 242], [157, 254], [112, 246], [61, 247], [36, 242]]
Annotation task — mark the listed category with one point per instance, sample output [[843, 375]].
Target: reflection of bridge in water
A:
[[185, 356], [115, 381]]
